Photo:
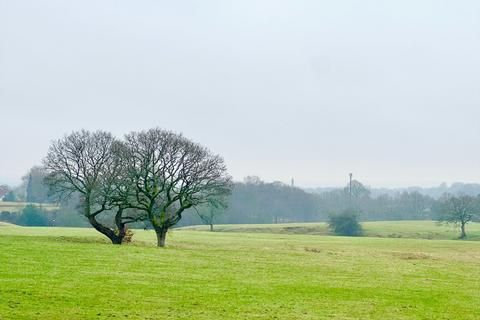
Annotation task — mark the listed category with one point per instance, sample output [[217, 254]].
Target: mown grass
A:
[[19, 206], [61, 273], [383, 229]]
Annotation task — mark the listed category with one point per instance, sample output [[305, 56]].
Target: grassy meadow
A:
[[382, 229], [73, 273]]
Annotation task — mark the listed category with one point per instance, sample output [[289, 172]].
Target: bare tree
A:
[[459, 210], [87, 163], [214, 207], [357, 189], [171, 174]]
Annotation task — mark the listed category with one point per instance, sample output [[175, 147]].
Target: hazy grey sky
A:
[[307, 89]]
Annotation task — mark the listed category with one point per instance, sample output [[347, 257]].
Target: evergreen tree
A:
[[30, 197]]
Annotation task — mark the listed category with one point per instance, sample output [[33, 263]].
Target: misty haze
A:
[[239, 159]]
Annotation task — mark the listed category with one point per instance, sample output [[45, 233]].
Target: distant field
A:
[[62, 273], [18, 206], [6, 224], [383, 229]]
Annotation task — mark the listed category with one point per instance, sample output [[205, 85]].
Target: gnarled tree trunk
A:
[[115, 238], [109, 233], [161, 235], [121, 226]]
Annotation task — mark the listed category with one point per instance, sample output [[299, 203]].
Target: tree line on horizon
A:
[[257, 201]]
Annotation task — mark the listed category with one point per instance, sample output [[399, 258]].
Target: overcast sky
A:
[[313, 90]]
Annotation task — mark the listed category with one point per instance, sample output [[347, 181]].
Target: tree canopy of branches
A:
[[170, 174], [86, 163], [459, 210]]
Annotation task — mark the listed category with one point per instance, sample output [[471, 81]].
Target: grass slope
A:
[[60, 273], [383, 229], [6, 224]]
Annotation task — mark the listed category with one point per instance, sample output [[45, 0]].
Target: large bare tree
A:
[[170, 174], [88, 163], [459, 210]]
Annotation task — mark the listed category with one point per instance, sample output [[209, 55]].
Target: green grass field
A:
[[383, 229], [18, 206], [61, 273]]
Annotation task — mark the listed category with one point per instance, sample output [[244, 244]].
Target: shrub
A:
[[33, 216], [128, 236], [345, 224]]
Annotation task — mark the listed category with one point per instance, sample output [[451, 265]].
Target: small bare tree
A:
[[87, 163], [214, 207], [459, 210], [171, 174]]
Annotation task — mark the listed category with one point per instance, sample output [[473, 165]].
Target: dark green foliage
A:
[[345, 224], [11, 217], [33, 216], [10, 197]]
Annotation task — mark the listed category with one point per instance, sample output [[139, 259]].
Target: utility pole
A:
[[293, 183]]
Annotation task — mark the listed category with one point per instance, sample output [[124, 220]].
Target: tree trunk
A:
[[464, 234], [161, 235], [121, 227], [109, 233], [211, 226]]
